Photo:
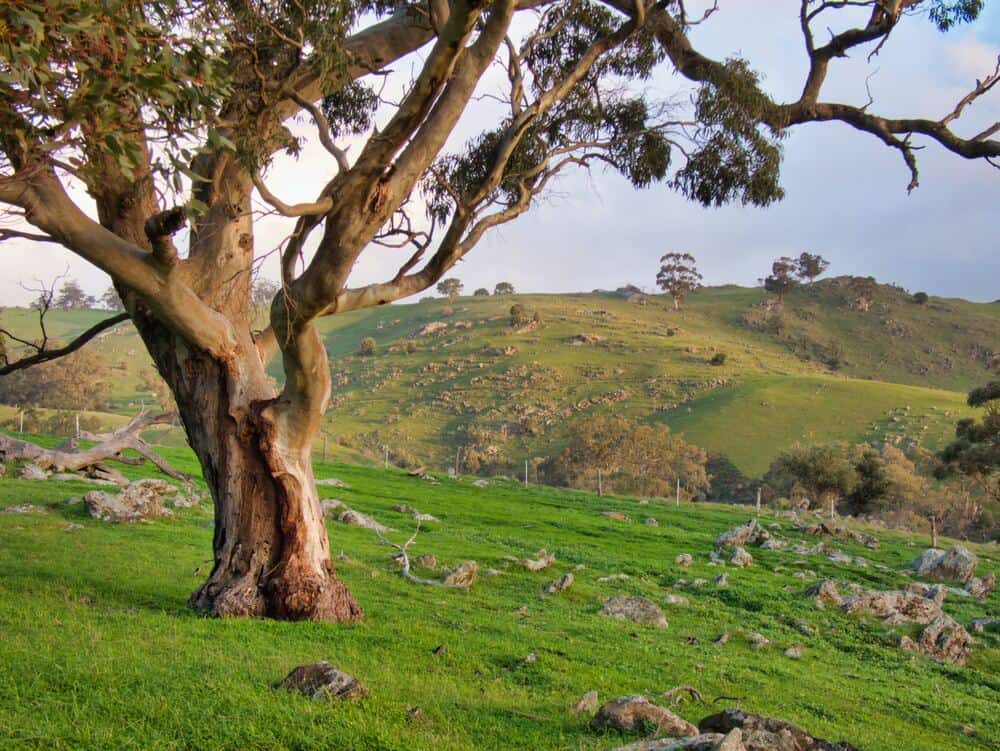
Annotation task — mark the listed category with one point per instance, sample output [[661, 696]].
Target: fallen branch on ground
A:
[[109, 447], [405, 558]]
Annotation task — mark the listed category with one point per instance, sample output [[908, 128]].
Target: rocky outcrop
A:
[[768, 734], [635, 609], [139, 501], [463, 575], [981, 587], [749, 533], [357, 519], [740, 558], [562, 583], [958, 564], [943, 639], [637, 714], [321, 681]]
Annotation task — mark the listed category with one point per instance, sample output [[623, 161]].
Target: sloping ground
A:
[[99, 650], [523, 388], [746, 421]]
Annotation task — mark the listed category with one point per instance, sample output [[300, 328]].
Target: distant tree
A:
[[503, 288], [810, 265], [367, 346], [518, 315], [975, 452], [450, 287], [263, 292], [72, 297], [632, 458], [826, 472], [920, 298], [863, 290], [111, 301], [481, 292], [81, 380], [678, 276], [783, 277]]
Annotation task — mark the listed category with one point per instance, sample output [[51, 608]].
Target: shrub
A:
[[367, 346], [719, 358], [518, 315], [920, 298]]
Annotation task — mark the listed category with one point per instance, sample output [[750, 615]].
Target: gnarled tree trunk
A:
[[272, 555]]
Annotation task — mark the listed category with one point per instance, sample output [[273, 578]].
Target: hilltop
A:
[[445, 375], [99, 649]]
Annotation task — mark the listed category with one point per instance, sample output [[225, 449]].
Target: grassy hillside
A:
[[818, 369], [100, 651]]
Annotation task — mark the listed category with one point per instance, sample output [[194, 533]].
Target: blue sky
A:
[[846, 192]]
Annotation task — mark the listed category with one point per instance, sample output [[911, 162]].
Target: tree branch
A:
[[45, 355]]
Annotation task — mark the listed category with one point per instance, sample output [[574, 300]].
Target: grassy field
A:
[[819, 371], [99, 650]]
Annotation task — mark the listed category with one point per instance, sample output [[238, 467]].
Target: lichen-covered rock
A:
[[748, 533], [563, 582], [768, 734], [588, 704], [906, 606], [321, 681], [635, 609], [684, 560], [825, 593], [463, 575], [943, 639], [981, 587], [138, 501], [638, 714], [24, 508], [672, 599], [958, 564], [32, 472], [721, 581], [740, 558], [357, 519], [703, 742], [544, 560]]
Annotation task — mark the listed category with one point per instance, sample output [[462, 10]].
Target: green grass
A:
[[99, 650]]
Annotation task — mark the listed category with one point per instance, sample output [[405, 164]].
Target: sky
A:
[[846, 192]]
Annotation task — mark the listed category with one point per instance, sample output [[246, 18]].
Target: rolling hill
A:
[[449, 375]]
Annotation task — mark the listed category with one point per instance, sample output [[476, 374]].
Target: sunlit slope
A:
[[748, 422]]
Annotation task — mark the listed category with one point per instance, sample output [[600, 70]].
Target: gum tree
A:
[[172, 112], [678, 276]]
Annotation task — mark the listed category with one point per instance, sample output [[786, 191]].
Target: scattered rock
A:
[[185, 500], [322, 681], [825, 593], [637, 714], [774, 543], [563, 582], [32, 472], [702, 742], [417, 516], [431, 328], [635, 609], [684, 560], [748, 533], [333, 482], [912, 607], [943, 639], [140, 500], [649, 521], [612, 578], [721, 581], [676, 600], [427, 560], [740, 558], [332, 507], [794, 652], [357, 519], [404, 508], [587, 705], [757, 640], [616, 515], [979, 625], [481, 483], [838, 556], [768, 734], [981, 587], [958, 564], [24, 508], [463, 575], [72, 527], [721, 639], [544, 560]]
